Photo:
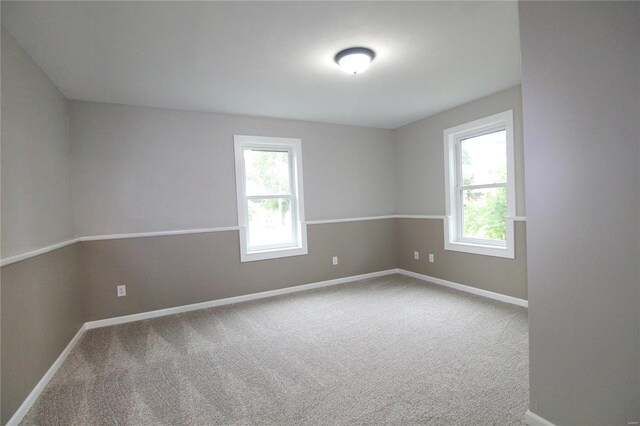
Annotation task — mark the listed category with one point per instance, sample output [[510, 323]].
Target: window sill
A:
[[486, 250], [272, 254]]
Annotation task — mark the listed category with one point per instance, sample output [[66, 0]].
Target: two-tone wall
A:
[[41, 297], [152, 170], [420, 191], [99, 175], [149, 169]]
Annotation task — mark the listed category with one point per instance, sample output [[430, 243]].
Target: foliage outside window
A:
[[480, 186], [269, 187]]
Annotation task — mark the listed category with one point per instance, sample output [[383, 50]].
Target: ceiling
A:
[[274, 59]]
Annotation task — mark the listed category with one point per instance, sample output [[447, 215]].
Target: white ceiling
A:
[[274, 59]]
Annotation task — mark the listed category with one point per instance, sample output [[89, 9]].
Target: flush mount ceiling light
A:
[[355, 59]]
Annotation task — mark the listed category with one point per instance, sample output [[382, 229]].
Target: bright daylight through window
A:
[[270, 201], [479, 174]]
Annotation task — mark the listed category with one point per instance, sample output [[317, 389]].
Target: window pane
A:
[[484, 213], [484, 159], [267, 172], [270, 222]]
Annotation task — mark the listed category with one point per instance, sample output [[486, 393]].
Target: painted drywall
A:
[[162, 272], [581, 98], [496, 274], [36, 156], [419, 151], [41, 312], [148, 169], [41, 308]]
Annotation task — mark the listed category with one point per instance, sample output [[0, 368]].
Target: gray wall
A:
[[169, 271], [497, 274], [36, 188], [149, 169], [41, 298], [419, 150], [581, 94], [420, 190]]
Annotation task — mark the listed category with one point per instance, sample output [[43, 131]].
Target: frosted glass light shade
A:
[[354, 60]]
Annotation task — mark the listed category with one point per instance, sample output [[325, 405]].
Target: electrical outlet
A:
[[416, 255], [122, 290], [335, 260], [431, 259]]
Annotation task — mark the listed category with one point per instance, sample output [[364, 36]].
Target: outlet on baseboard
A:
[[334, 260], [431, 259], [122, 290], [416, 255]]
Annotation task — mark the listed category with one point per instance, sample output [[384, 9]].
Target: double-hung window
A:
[[270, 197], [480, 187]]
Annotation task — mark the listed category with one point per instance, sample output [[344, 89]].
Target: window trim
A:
[[294, 147], [453, 216]]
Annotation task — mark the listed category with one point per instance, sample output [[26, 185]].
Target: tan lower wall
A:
[[46, 299], [167, 271], [500, 275], [41, 312]]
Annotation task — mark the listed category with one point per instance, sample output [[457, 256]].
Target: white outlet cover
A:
[[416, 255], [122, 290], [335, 260]]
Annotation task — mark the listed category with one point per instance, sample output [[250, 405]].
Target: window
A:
[[270, 201], [480, 190]]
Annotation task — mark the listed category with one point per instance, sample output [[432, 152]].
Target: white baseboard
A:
[[35, 393], [271, 293], [37, 390], [533, 419], [466, 288], [210, 304]]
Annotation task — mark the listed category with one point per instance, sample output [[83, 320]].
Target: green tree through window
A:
[[270, 197], [268, 174], [483, 160]]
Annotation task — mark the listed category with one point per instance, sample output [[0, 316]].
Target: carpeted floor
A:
[[387, 350]]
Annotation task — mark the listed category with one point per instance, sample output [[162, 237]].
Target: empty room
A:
[[323, 212]]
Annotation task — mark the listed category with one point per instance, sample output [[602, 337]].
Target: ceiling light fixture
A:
[[355, 59]]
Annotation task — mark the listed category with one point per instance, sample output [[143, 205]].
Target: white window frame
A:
[[453, 239], [294, 147]]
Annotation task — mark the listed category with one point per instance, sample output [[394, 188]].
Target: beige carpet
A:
[[390, 350]]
